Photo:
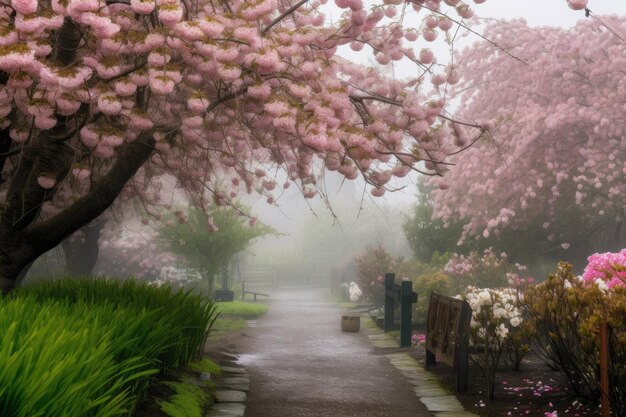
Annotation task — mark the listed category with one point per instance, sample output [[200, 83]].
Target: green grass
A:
[[206, 365], [242, 309], [346, 304], [394, 333], [84, 348], [189, 400]]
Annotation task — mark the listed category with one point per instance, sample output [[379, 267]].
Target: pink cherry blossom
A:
[[46, 182]]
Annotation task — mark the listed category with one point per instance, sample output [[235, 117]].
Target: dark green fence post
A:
[[407, 298], [389, 301]]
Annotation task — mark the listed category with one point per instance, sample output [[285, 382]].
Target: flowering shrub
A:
[[350, 292], [185, 278], [425, 283], [372, 266], [565, 314], [608, 267], [354, 291], [418, 339], [495, 328], [482, 270], [134, 253]]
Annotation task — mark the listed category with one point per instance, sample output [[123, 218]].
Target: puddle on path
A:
[[248, 358]]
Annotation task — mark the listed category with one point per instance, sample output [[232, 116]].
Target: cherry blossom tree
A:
[[104, 97], [556, 166], [100, 98], [126, 250]]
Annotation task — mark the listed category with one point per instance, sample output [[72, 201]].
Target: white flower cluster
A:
[[355, 291], [494, 312], [178, 277]]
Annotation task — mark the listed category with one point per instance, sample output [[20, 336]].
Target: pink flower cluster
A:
[[608, 267]]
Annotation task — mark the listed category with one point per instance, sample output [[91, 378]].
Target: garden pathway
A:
[[302, 365]]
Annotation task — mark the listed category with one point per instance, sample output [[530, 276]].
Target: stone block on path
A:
[[230, 396], [227, 409], [444, 403]]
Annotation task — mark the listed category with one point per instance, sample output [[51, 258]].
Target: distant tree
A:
[[373, 264], [208, 240], [426, 235]]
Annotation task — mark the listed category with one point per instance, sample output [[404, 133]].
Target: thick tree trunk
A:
[[224, 274], [23, 239], [81, 255], [15, 256]]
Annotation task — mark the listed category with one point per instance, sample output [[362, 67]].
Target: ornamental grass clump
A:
[[89, 348], [566, 313], [496, 330]]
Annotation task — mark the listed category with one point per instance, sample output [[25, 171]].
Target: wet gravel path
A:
[[302, 365]]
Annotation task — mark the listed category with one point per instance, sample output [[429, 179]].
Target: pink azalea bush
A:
[[609, 267]]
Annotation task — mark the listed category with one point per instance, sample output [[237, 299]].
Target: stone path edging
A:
[[231, 392], [437, 399]]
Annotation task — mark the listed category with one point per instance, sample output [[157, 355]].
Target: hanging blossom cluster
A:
[[494, 314], [556, 114], [607, 269], [223, 92]]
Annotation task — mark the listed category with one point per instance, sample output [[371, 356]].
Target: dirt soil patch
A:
[[532, 391]]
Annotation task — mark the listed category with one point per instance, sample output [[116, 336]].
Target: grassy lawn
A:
[[241, 309], [233, 316]]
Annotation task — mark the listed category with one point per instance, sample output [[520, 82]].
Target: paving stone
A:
[[416, 374], [445, 403], [230, 396], [379, 336], [398, 356], [227, 409], [385, 343], [236, 387], [425, 384], [235, 380], [233, 370], [430, 391], [406, 368]]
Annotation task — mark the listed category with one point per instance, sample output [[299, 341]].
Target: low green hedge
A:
[[86, 348]]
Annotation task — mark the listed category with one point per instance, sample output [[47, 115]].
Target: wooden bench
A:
[[447, 335], [254, 294]]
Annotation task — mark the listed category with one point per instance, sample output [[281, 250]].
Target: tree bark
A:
[[22, 239], [81, 255]]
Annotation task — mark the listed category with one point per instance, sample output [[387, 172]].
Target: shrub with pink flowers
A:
[[483, 270], [565, 314], [609, 267]]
